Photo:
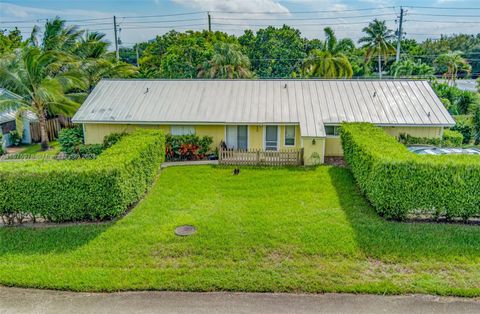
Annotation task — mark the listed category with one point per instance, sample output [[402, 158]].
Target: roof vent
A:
[[374, 93], [428, 114], [146, 91], [285, 85]]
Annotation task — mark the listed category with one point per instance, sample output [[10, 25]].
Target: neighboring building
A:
[[8, 120], [264, 114]]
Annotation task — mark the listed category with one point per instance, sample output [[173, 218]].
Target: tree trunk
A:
[[380, 66], [42, 119]]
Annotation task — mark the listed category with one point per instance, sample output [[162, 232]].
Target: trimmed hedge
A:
[[399, 183], [76, 190], [450, 139]]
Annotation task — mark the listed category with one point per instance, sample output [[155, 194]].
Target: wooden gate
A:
[[252, 157]]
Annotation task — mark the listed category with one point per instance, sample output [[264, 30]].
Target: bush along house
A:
[[265, 116]]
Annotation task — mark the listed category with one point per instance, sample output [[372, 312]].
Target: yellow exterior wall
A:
[[415, 131], [94, 133], [215, 131], [333, 145], [313, 154]]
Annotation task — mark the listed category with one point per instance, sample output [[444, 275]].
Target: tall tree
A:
[[330, 61], [275, 52], [227, 62], [34, 75], [451, 64], [377, 42]]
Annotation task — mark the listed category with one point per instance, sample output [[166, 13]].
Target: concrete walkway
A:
[[188, 163], [14, 300]]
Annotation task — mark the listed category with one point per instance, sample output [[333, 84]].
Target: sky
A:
[[142, 20]]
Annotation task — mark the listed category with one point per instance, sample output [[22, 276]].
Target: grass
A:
[[289, 230], [34, 149]]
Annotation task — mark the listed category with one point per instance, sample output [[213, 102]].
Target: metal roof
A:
[[10, 114], [310, 103]]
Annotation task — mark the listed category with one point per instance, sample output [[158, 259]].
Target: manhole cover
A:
[[185, 230]]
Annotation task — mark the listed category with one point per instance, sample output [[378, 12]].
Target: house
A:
[[264, 114], [8, 120]]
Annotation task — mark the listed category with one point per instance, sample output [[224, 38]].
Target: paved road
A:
[[13, 300]]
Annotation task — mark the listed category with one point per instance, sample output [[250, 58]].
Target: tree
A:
[[228, 62], [450, 64], [34, 75], [10, 41], [275, 52], [57, 36], [96, 62], [330, 60], [410, 68], [377, 42]]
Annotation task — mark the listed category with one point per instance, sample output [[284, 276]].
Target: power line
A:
[[302, 12], [301, 19], [442, 8], [162, 15]]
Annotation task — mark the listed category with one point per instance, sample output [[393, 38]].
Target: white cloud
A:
[[270, 6], [13, 10]]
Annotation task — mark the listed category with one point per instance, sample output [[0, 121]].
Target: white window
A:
[[271, 137], [332, 130], [237, 137], [289, 135], [182, 130]]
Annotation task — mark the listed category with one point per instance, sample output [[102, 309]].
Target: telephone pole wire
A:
[[117, 54], [400, 32]]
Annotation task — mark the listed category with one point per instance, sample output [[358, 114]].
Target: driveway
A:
[[14, 300]]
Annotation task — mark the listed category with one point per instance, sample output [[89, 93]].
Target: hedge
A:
[[399, 183], [76, 190], [450, 139]]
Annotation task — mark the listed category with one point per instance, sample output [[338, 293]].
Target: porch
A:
[[259, 157]]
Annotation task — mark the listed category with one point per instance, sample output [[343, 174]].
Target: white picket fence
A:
[[257, 157]]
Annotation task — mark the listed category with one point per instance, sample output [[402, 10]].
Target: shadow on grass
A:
[[47, 240], [379, 238]]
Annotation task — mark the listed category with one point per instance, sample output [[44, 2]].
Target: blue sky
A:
[[344, 20]]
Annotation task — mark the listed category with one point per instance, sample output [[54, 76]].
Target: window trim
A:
[[265, 137], [285, 136], [183, 126], [336, 129], [237, 125]]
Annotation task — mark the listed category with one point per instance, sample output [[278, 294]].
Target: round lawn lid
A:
[[185, 230]]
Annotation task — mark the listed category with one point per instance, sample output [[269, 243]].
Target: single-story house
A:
[[8, 120], [264, 114]]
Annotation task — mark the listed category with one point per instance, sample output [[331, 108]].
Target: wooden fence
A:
[[287, 157], [53, 127]]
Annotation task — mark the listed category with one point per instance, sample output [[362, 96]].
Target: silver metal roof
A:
[[10, 114], [310, 103]]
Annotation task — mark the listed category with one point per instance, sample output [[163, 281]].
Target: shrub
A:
[[111, 139], [464, 126], [187, 147], [450, 139], [75, 190], [70, 140], [398, 182], [476, 125], [15, 138]]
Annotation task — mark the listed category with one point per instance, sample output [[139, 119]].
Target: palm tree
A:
[[377, 42], [35, 75], [227, 62], [452, 62], [410, 68], [57, 36], [96, 62], [330, 61]]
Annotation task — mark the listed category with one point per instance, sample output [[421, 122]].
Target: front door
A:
[[271, 137]]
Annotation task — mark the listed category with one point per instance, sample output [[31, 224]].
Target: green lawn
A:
[[289, 230], [33, 149]]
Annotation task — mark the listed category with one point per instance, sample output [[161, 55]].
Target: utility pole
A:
[[136, 46], [209, 22], [399, 35], [117, 54]]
